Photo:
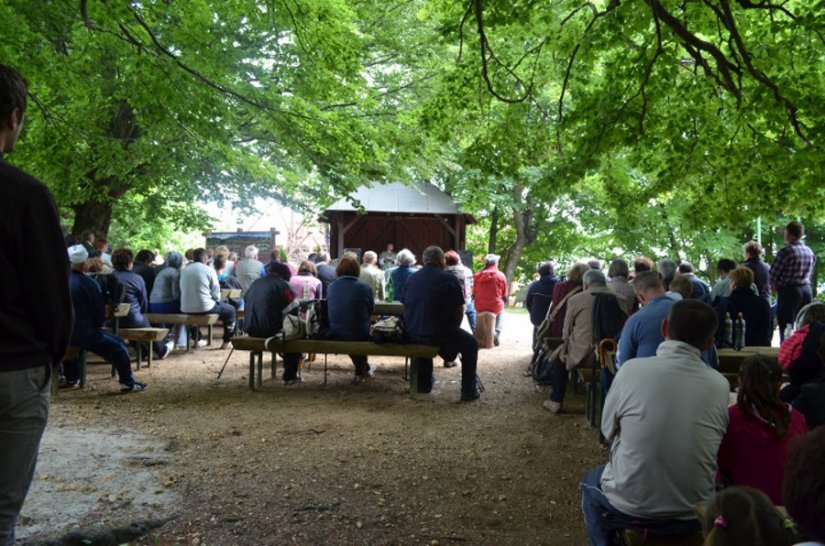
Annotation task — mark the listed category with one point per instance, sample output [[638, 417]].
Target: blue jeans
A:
[[558, 381], [602, 520], [470, 311], [111, 348], [177, 332], [24, 410], [460, 342]]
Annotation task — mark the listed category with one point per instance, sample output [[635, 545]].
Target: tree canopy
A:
[[568, 128]]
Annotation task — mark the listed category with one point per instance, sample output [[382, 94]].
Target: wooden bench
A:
[[186, 320], [233, 293], [275, 345], [141, 336]]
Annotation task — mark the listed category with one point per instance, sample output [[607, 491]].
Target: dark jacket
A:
[[264, 301], [431, 300], [148, 274], [539, 296], [36, 308], [136, 298], [761, 276], [350, 304], [756, 312], [807, 367], [327, 275], [89, 307]]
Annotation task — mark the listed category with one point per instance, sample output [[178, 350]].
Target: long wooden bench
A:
[[186, 320], [275, 345], [141, 336], [730, 360]]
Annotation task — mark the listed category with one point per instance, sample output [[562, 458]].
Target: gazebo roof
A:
[[395, 197]]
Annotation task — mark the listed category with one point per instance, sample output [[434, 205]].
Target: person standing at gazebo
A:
[[386, 259]]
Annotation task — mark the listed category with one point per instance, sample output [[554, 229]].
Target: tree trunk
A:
[[526, 234], [491, 245], [94, 216]]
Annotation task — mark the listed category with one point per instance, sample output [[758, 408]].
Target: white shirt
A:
[[665, 417]]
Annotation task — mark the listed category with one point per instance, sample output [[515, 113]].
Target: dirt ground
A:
[[346, 464]]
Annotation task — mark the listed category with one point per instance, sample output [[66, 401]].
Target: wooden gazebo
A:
[[414, 217]]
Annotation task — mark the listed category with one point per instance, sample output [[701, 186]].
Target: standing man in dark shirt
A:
[[36, 310], [325, 272], [433, 311], [791, 276]]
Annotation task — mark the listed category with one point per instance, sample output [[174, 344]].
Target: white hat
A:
[[78, 254], [492, 258]]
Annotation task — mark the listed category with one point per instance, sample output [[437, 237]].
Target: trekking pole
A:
[[226, 362]]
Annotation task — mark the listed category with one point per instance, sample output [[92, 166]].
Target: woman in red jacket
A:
[[761, 426], [490, 291]]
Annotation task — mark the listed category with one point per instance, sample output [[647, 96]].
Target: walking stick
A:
[[226, 362]]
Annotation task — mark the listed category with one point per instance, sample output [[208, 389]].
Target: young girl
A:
[[761, 426], [744, 516]]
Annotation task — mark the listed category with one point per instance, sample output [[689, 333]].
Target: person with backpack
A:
[[595, 312]]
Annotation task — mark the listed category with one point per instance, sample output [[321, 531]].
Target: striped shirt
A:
[[793, 266]]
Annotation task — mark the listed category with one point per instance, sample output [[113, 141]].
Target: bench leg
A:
[[53, 387], [81, 357], [274, 361], [260, 369], [186, 336], [406, 368], [252, 370], [139, 353], [149, 355], [209, 339], [325, 370]]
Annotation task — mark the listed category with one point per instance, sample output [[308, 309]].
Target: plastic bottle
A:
[[740, 332], [727, 339]]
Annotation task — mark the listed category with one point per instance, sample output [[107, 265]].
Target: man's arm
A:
[[778, 268], [627, 344], [214, 285], [47, 286]]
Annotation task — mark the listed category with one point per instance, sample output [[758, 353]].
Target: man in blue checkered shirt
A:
[[791, 276]]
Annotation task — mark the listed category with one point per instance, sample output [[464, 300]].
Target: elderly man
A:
[[36, 309], [386, 259], [490, 292], [722, 287], [249, 269], [701, 291], [200, 294], [664, 419], [579, 323], [791, 276], [373, 276], [433, 311]]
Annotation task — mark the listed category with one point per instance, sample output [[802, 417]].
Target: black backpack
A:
[[608, 317]]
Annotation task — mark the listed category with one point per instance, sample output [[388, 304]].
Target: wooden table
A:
[[395, 308], [730, 360]]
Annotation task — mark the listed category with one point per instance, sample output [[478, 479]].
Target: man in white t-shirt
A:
[[664, 418]]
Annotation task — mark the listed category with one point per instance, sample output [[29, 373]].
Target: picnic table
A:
[[730, 360], [395, 308]]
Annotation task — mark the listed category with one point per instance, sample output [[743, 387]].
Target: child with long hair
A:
[[760, 428], [744, 516]]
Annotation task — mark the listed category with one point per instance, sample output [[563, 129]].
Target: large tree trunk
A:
[[96, 214], [526, 233], [491, 244]]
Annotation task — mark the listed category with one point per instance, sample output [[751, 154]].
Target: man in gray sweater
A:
[[200, 294]]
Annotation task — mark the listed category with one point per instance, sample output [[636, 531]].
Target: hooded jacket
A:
[[490, 290], [752, 455]]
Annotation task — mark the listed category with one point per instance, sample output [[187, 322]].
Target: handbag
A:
[[292, 326]]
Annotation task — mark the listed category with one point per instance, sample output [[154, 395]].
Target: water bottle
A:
[[727, 338], [740, 332]]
